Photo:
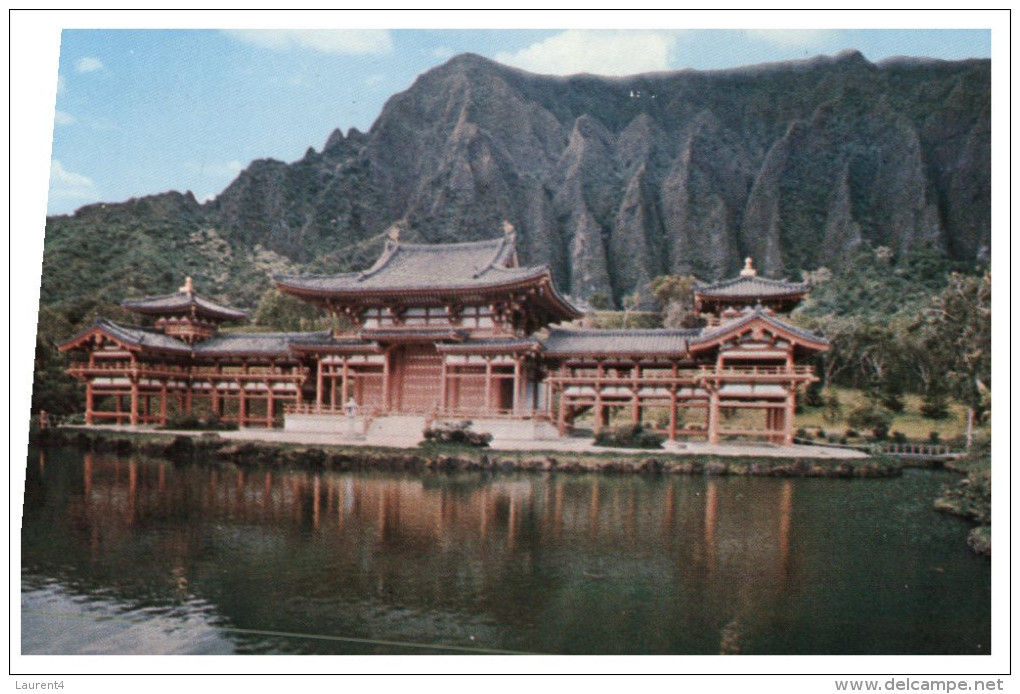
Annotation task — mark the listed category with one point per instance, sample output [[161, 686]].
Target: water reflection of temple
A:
[[708, 526], [556, 563]]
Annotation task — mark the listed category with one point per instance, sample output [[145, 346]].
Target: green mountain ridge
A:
[[609, 181]]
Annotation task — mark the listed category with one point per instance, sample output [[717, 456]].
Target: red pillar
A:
[[713, 417], [672, 413], [635, 404], [162, 404], [561, 425], [134, 402], [788, 419], [89, 402], [488, 385], [386, 381], [442, 385], [318, 384], [517, 386], [242, 403]]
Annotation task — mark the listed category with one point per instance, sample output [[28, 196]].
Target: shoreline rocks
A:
[[210, 447], [971, 498]]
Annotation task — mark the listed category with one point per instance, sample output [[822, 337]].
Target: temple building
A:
[[748, 289], [446, 329], [454, 331]]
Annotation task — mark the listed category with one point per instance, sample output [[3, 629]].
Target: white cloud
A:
[[338, 41], [597, 52], [63, 118], [68, 185], [791, 38], [88, 65]]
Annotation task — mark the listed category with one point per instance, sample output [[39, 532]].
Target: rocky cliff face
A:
[[615, 181]]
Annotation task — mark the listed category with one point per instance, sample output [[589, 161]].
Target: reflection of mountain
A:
[[562, 564]]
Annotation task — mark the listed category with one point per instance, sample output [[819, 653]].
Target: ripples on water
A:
[[131, 556]]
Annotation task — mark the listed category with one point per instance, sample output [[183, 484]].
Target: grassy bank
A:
[[827, 425], [909, 422], [210, 447]]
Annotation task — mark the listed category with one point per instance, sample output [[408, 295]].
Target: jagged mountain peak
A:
[[611, 181]]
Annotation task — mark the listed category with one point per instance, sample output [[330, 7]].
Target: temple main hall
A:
[[449, 332]]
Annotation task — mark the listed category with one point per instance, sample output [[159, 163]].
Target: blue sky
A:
[[145, 111]]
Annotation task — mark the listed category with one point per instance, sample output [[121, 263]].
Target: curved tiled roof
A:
[[652, 342], [133, 336], [749, 315], [183, 302], [419, 334], [750, 286], [489, 344], [260, 344], [256, 344], [405, 266], [437, 274], [328, 343]]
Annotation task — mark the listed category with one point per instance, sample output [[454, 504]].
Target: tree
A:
[[936, 402], [277, 311], [674, 289], [675, 294], [872, 417], [630, 302], [959, 326], [598, 301], [52, 389]]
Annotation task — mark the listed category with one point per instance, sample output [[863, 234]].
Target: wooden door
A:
[[416, 374]]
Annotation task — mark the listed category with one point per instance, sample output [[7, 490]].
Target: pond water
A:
[[135, 555]]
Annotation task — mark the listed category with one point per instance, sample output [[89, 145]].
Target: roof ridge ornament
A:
[[188, 288], [389, 250], [748, 270], [509, 243]]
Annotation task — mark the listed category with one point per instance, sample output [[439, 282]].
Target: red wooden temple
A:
[[455, 331]]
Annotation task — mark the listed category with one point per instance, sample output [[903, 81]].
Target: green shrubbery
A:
[[874, 419], [629, 436], [457, 432]]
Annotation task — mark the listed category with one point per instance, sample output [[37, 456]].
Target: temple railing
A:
[[310, 408], [493, 414], [148, 371], [800, 371], [689, 377], [918, 450]]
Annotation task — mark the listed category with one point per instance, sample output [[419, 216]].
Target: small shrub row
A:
[[629, 436], [457, 432]]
